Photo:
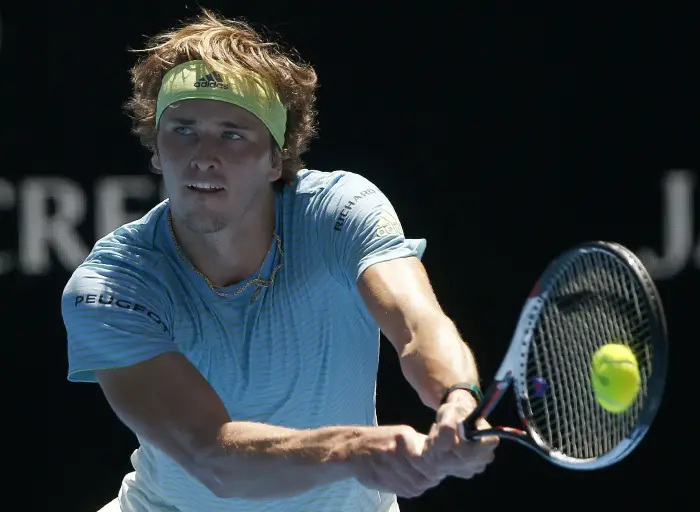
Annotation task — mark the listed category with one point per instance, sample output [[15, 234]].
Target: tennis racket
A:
[[591, 295]]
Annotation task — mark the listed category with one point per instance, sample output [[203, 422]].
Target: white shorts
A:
[[112, 506]]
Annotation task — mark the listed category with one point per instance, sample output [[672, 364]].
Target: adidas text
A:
[[212, 80]]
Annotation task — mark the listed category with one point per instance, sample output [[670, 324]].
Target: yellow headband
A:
[[194, 80]]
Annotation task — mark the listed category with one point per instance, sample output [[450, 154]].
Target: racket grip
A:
[[485, 406]]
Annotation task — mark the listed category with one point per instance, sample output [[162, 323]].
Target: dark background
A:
[[501, 135]]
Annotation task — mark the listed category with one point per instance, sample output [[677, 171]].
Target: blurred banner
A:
[[680, 246], [59, 216]]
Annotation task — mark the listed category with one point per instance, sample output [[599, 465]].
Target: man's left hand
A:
[[445, 446]]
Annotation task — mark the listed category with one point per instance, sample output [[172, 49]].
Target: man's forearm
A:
[[435, 358], [255, 460]]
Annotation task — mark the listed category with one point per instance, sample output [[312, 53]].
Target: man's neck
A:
[[235, 253]]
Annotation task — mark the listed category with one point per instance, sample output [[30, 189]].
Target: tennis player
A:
[[235, 327]]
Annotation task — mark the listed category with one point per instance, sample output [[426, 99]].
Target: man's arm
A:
[[167, 402], [433, 355]]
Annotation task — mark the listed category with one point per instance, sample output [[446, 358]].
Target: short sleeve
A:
[[359, 227], [114, 317]]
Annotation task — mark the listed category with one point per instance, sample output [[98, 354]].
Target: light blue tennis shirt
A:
[[303, 355]]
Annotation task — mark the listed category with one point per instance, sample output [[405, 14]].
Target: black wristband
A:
[[473, 390]]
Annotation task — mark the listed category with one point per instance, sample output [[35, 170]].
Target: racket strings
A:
[[594, 300]]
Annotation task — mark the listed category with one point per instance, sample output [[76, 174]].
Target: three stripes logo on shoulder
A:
[[388, 224], [213, 80]]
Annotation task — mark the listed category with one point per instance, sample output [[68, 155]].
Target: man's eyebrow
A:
[[226, 124]]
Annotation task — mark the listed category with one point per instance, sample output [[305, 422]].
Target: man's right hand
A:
[[390, 459]]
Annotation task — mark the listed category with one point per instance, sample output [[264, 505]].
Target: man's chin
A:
[[205, 222]]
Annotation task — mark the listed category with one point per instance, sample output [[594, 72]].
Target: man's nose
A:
[[206, 158]]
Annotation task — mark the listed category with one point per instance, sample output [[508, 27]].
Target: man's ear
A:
[[276, 167], [155, 162]]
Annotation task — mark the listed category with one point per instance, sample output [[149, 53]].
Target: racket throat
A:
[[493, 395]]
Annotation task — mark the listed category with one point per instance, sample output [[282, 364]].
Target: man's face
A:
[[217, 161]]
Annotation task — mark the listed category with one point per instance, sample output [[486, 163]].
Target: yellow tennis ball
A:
[[615, 377]]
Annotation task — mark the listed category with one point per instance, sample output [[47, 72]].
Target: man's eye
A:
[[232, 135]]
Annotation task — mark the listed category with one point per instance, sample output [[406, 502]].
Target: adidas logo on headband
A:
[[211, 80]]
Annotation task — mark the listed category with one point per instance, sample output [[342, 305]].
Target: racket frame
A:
[[511, 372]]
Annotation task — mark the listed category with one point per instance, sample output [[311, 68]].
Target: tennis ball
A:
[[615, 377]]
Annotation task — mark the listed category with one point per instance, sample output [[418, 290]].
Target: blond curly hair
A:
[[230, 47]]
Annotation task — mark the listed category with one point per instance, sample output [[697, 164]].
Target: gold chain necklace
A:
[[257, 281]]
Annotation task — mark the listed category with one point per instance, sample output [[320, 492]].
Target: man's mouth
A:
[[205, 187]]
